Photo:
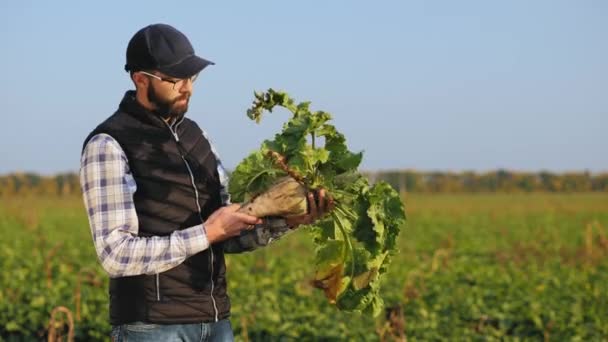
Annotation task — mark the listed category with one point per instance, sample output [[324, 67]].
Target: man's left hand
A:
[[317, 209]]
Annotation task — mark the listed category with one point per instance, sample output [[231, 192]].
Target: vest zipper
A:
[[157, 287], [198, 206]]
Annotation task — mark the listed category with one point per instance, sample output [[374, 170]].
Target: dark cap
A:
[[161, 47]]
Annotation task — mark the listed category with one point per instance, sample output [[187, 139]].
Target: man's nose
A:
[[186, 86]]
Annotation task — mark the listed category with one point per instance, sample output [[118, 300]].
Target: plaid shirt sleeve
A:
[[263, 234], [108, 187]]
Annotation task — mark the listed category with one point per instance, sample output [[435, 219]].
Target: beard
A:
[[168, 108]]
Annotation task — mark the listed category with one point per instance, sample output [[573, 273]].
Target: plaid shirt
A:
[[108, 187]]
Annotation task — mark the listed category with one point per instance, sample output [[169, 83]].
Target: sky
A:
[[425, 85]]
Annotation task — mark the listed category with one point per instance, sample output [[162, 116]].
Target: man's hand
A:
[[317, 209], [226, 222]]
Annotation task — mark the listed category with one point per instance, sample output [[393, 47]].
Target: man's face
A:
[[169, 100]]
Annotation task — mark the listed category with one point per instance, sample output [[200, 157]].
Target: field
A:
[[470, 267]]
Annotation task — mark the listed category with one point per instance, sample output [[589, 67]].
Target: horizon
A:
[[477, 172]]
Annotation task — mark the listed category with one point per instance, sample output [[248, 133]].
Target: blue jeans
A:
[[197, 332]]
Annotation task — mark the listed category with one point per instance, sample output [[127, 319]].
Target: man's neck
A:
[[143, 100]]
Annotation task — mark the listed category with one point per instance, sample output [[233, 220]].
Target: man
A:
[[156, 196]]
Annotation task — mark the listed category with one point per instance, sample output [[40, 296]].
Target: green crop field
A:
[[512, 267]]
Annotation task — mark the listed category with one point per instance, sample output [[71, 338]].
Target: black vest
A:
[[177, 187]]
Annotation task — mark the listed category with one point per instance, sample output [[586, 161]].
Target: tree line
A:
[[493, 181], [67, 184]]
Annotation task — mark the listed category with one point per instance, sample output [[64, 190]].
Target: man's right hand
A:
[[226, 222]]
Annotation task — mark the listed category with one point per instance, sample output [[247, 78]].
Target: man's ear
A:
[[140, 80]]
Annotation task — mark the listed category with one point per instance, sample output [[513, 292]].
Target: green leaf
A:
[[37, 302], [12, 326], [387, 213], [330, 269], [253, 175], [329, 256]]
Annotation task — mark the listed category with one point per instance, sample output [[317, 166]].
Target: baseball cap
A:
[[162, 47]]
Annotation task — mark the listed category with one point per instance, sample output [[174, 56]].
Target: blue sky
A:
[[428, 85]]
